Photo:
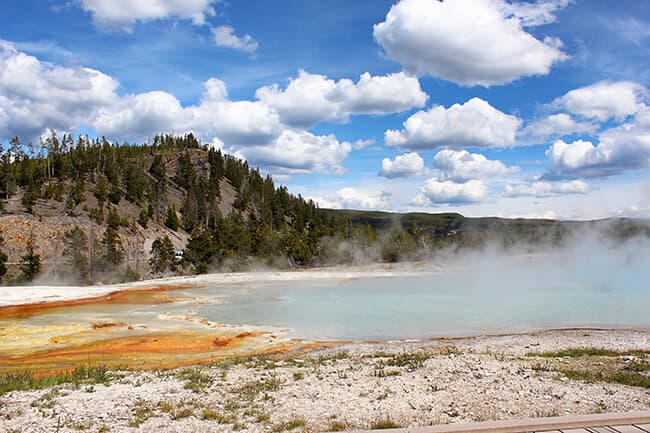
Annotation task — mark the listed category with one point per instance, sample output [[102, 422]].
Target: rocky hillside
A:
[[173, 188]]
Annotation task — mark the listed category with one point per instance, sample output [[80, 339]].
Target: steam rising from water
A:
[[589, 281]]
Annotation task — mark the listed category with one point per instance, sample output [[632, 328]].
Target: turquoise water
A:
[[486, 297], [483, 294]]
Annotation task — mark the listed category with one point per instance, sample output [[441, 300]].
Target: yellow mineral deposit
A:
[[52, 348]]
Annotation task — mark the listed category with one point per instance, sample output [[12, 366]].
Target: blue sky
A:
[[484, 107]]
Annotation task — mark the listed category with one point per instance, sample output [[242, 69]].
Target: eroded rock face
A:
[[50, 219]]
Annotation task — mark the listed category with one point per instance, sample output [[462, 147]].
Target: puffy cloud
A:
[[554, 125], [124, 13], [535, 14], [224, 36], [392, 93], [409, 164], [351, 198], [546, 189], [469, 42], [362, 144], [620, 149], [300, 152], [304, 102], [312, 98], [238, 123], [35, 96], [437, 192], [474, 124], [578, 158], [460, 165], [604, 100]]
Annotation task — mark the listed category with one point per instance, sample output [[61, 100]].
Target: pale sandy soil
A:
[[351, 386]]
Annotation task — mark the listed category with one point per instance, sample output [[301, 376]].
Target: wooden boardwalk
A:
[[633, 422]]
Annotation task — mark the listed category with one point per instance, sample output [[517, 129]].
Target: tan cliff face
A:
[[47, 235], [50, 219]]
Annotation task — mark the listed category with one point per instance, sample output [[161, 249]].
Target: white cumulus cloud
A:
[[619, 150], [460, 166], [242, 123], [300, 152], [353, 198], [470, 42], [224, 36], [409, 164], [435, 191], [123, 14], [546, 189], [312, 98], [536, 13], [36, 96], [554, 126], [473, 124], [604, 100]]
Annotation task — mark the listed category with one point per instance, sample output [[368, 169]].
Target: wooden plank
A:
[[575, 430], [627, 429], [562, 423]]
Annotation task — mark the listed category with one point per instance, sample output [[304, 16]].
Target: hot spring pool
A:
[[482, 295]]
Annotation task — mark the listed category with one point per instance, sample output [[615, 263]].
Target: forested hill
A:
[[93, 210], [81, 211]]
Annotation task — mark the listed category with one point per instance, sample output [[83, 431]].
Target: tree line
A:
[[176, 182]]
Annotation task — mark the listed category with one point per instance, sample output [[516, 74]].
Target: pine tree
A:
[[76, 193], [7, 179], [157, 168], [201, 250], [172, 219], [101, 190], [185, 171], [3, 259], [30, 264], [111, 240], [163, 255], [75, 250], [143, 218]]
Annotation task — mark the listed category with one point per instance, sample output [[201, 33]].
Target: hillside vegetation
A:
[[86, 211]]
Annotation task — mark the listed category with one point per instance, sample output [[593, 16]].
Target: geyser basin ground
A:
[[187, 320], [355, 386]]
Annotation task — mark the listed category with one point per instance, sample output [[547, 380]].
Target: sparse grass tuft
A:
[[176, 411], [385, 423], [591, 364], [288, 425], [411, 361], [542, 366], [587, 351], [251, 389], [629, 378], [340, 426], [142, 411], [219, 417], [338, 356], [638, 366], [262, 417], [196, 380], [27, 381]]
